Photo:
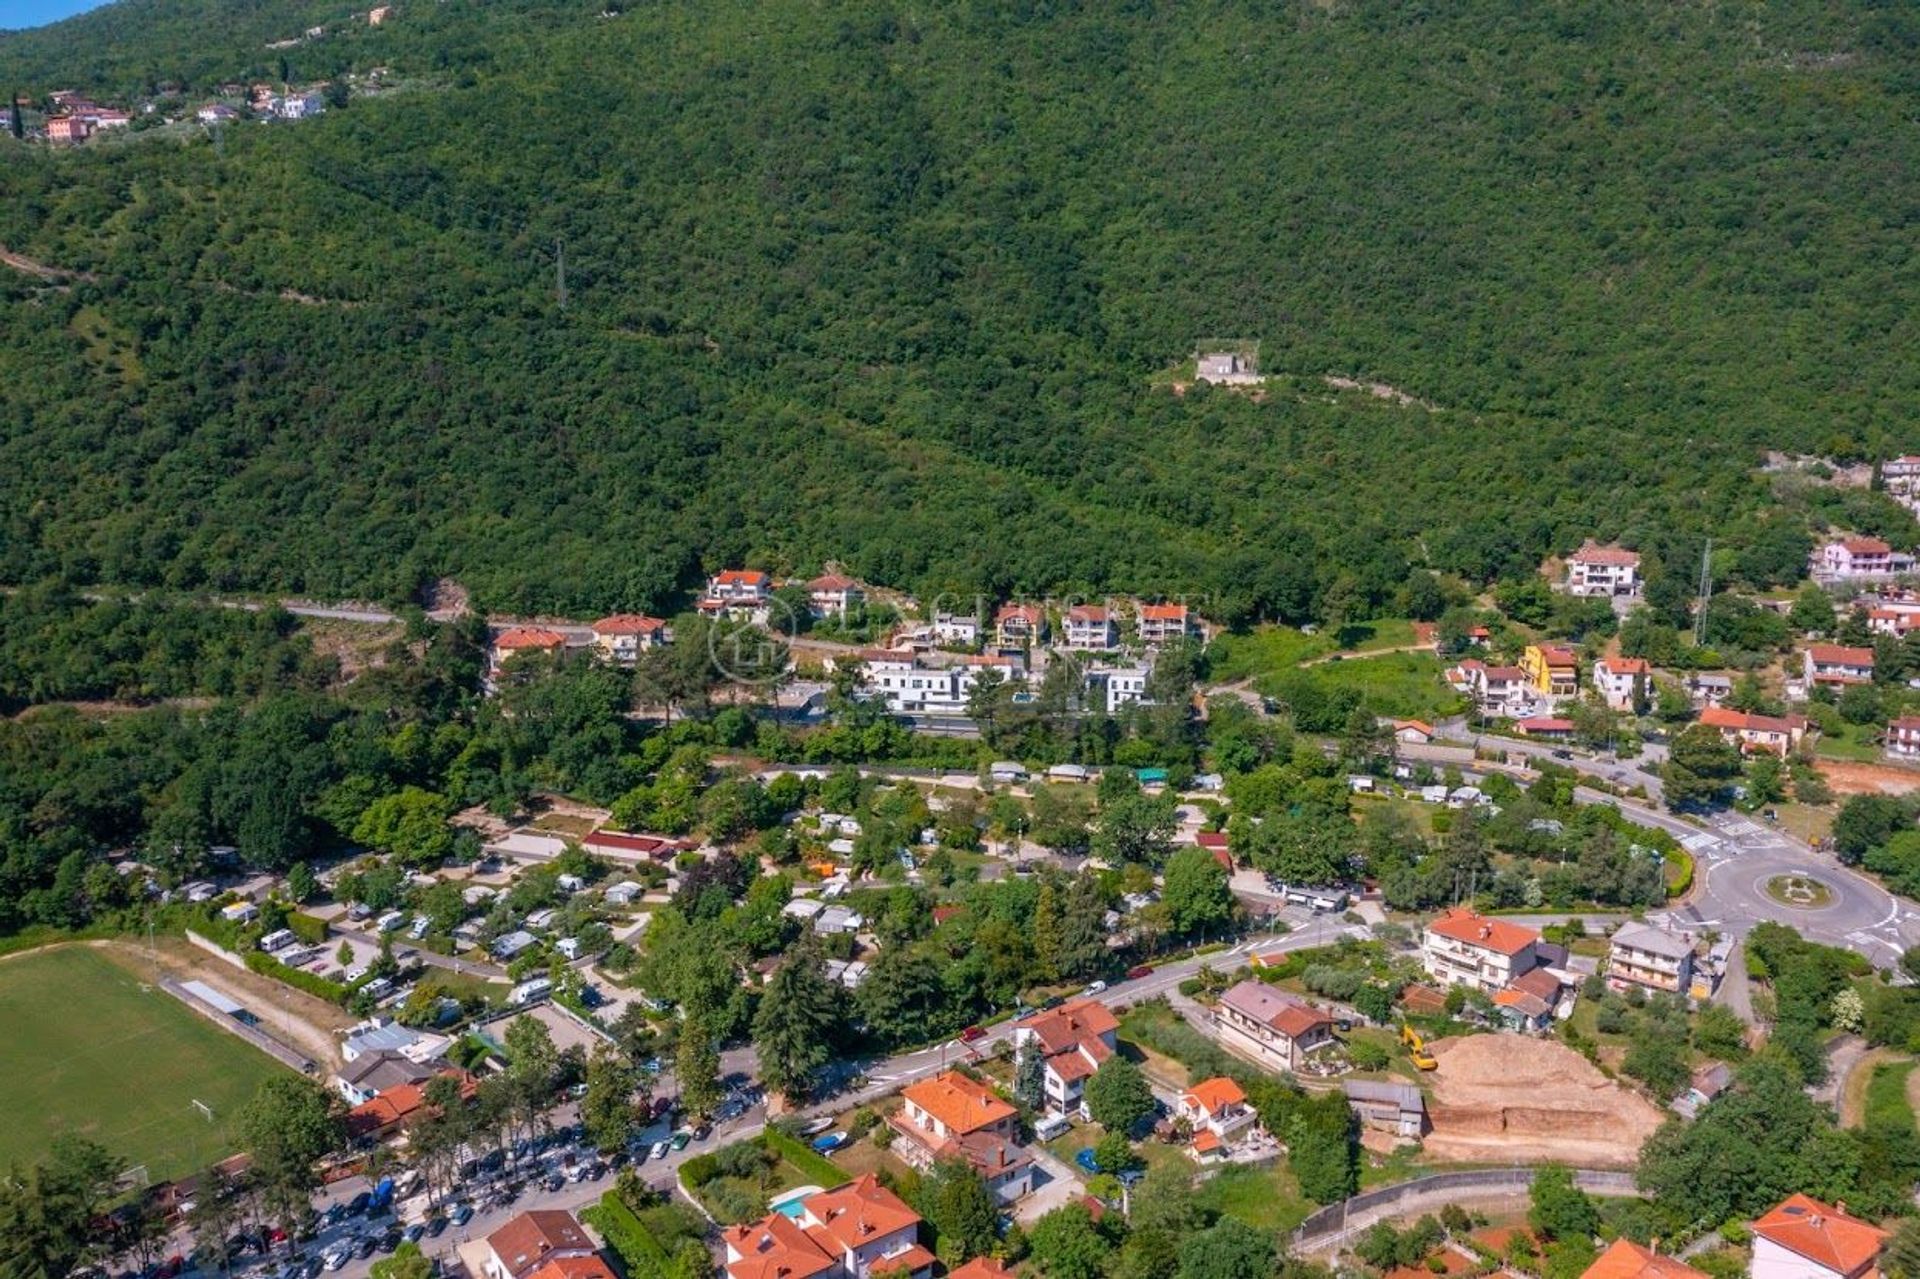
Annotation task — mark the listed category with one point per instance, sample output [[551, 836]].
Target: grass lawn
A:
[[1852, 743], [85, 1050], [1263, 651], [1265, 1198], [1403, 685], [1888, 1106], [1805, 822]]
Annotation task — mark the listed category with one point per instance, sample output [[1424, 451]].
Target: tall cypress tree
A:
[[14, 122]]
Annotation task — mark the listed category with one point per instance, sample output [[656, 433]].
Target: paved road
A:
[[1736, 857], [432, 958]]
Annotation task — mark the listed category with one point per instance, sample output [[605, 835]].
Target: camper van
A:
[[529, 992]]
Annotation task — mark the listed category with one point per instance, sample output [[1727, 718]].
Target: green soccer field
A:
[[84, 1049]]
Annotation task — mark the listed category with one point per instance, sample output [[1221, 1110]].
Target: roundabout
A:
[[1799, 891]]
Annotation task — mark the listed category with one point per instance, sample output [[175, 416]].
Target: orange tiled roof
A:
[[574, 1268], [961, 1104], [627, 624], [860, 1211], [775, 1248], [1069, 1024], [1628, 1260], [530, 637], [1825, 1236], [982, 1268], [522, 1243], [1212, 1095], [1490, 934]]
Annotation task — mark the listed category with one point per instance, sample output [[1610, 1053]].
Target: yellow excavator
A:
[[1417, 1048]]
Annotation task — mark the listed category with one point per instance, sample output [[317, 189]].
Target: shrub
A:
[[267, 966], [699, 1170], [809, 1162], [628, 1236], [1192, 986]]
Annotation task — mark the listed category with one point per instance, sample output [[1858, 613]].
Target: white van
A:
[[391, 920], [1052, 1126]]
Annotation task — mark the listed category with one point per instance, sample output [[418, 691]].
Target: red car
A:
[[972, 1033], [1138, 971]]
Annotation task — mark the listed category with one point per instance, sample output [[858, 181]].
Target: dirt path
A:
[[1853, 1087], [290, 1015], [1356, 654], [27, 266]]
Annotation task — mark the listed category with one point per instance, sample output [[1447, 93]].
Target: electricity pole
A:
[[1706, 593]]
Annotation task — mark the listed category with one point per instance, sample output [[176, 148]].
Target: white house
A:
[[1091, 628], [1856, 558], [1805, 1239], [832, 594], [1461, 948], [1219, 1116], [849, 1232], [1163, 623], [1596, 570], [954, 1117], [935, 684], [1903, 737], [738, 593], [1072, 1041], [1654, 958], [1116, 687], [533, 1240], [1270, 1026], [624, 636], [1622, 681], [1018, 625], [1225, 368], [1836, 665]]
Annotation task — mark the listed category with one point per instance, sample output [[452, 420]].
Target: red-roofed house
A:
[[1625, 1259], [1414, 732], [68, 128], [954, 1117], [1546, 726], [1836, 665], [1017, 625], [1072, 1041], [624, 636], [574, 1268], [1903, 737], [1091, 627], [1805, 1239], [1755, 733], [738, 593], [1271, 1027], [531, 1241], [1162, 623], [1217, 1108], [1462, 948], [512, 643], [1215, 842], [1858, 557], [982, 1268], [1622, 681], [849, 1232], [832, 594], [1603, 570]]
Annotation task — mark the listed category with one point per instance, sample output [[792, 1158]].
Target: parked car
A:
[[1094, 988], [680, 1139], [1138, 971], [658, 1150], [461, 1214], [972, 1034]]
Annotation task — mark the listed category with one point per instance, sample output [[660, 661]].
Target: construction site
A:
[[1515, 1099]]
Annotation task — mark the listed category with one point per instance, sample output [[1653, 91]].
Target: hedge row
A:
[[628, 1235], [308, 928], [809, 1162], [267, 966]]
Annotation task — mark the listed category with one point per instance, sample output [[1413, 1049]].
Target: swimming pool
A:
[[793, 1204]]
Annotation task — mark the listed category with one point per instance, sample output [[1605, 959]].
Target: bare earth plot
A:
[[86, 1047], [1509, 1098]]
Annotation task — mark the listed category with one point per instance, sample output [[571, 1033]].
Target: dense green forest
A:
[[888, 285]]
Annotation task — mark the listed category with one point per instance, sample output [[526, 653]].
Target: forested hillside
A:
[[888, 284]]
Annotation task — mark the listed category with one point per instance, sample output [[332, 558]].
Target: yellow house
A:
[[1553, 669]]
